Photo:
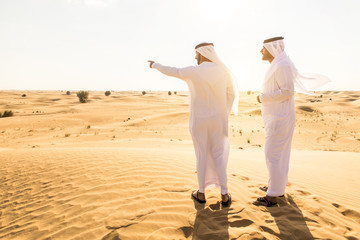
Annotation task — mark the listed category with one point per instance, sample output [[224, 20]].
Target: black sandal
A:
[[265, 188], [225, 204], [263, 201], [197, 197]]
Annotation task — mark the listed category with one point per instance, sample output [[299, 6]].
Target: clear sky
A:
[[105, 44]]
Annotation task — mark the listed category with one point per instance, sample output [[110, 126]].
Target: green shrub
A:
[[143, 92], [67, 92], [83, 96], [107, 93], [169, 92]]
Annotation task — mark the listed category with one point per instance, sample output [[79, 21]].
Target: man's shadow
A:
[[290, 221], [211, 222]]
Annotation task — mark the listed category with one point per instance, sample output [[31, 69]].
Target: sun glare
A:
[[219, 11]]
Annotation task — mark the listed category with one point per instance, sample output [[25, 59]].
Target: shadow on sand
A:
[[290, 221], [211, 222]]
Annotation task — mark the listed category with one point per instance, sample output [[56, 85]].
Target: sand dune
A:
[[123, 167]]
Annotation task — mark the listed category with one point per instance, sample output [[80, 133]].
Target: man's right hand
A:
[[258, 99], [151, 63]]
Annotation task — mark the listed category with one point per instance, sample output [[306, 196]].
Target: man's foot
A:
[[266, 201], [265, 188], [198, 196], [225, 199]]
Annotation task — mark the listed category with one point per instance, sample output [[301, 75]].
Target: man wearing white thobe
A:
[[278, 112], [212, 94]]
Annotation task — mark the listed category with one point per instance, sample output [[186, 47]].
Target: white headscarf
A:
[[208, 51], [304, 83]]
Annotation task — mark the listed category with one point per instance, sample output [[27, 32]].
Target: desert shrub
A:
[[107, 93], [83, 96], [24, 95], [143, 92], [7, 114], [169, 92], [175, 93], [67, 92]]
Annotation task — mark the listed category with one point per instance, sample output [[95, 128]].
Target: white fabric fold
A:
[[209, 52]]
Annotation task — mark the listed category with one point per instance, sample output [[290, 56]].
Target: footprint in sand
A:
[[303, 193], [347, 212], [241, 177]]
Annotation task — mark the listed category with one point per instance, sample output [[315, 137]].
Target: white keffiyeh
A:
[[304, 83]]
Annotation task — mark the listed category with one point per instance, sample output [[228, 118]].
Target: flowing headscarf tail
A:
[[304, 83]]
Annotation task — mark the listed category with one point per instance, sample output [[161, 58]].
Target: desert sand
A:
[[123, 167]]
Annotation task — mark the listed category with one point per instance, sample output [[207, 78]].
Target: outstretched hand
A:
[[151, 63]]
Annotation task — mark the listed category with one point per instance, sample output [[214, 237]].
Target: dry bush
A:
[[107, 93], [6, 114], [83, 96]]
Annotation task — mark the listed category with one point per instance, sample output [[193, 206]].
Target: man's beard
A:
[[265, 58]]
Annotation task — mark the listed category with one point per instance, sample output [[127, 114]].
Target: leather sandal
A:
[[197, 196]]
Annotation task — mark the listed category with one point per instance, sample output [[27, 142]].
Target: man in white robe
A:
[[212, 93], [278, 111]]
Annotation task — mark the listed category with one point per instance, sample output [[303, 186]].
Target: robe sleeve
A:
[[182, 73], [285, 82], [230, 96]]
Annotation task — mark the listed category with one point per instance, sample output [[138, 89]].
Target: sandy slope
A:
[[123, 167]]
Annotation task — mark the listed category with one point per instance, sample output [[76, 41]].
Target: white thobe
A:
[[278, 111], [211, 98]]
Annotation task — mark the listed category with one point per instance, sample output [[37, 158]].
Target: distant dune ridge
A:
[[122, 166]]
